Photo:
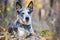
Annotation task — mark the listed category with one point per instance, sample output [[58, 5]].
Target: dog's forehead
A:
[[24, 10]]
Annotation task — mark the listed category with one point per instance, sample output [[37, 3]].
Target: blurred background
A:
[[45, 16]]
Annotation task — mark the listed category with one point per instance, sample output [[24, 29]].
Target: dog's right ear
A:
[[18, 6], [30, 5]]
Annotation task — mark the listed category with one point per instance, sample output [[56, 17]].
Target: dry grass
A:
[[56, 38]]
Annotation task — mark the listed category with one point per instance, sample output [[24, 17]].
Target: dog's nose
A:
[[27, 19]]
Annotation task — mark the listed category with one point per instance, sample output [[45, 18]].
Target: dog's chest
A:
[[23, 29]]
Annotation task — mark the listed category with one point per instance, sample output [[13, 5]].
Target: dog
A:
[[23, 22]]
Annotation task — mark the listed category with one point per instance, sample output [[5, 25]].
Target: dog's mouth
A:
[[24, 22]]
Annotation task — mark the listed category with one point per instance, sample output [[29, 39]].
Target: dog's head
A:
[[24, 14]]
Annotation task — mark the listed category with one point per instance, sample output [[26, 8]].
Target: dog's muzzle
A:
[[27, 19]]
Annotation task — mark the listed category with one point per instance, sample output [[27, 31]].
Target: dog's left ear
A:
[[30, 5], [18, 6]]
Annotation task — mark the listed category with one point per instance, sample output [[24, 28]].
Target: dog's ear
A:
[[30, 5], [18, 6]]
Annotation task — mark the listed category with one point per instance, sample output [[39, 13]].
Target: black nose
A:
[[27, 19]]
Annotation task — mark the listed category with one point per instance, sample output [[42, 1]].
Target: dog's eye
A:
[[22, 13], [18, 12], [29, 12]]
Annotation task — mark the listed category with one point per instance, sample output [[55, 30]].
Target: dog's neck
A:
[[23, 25]]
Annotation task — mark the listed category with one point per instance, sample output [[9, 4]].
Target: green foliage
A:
[[43, 32], [2, 23], [46, 33]]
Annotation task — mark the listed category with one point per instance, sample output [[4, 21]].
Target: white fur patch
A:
[[20, 31]]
